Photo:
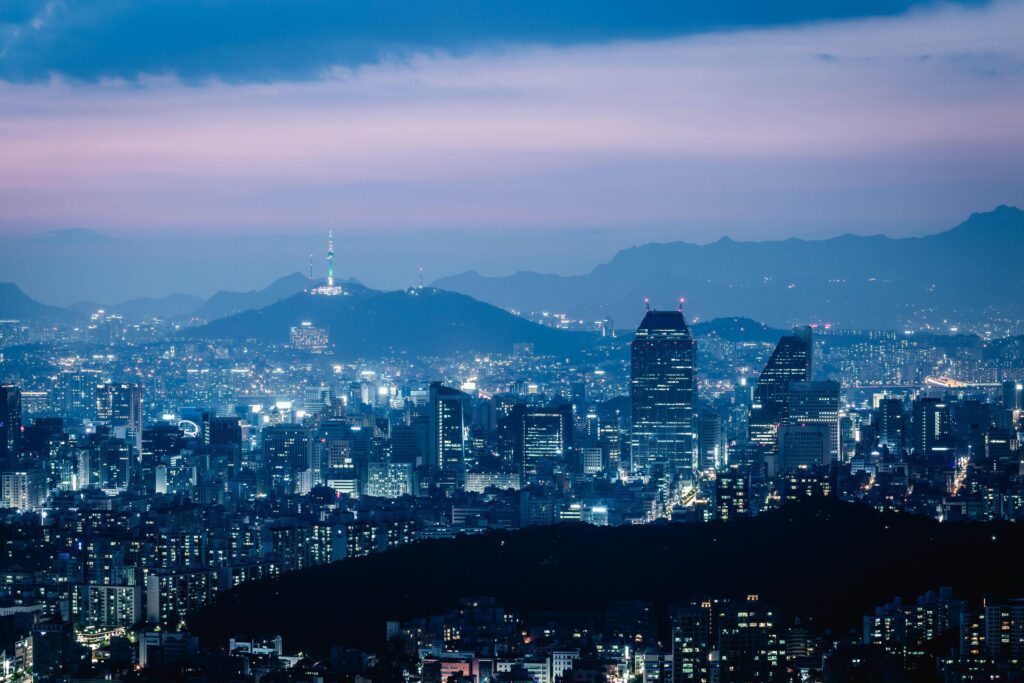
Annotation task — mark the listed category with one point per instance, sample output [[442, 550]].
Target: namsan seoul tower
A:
[[329, 289], [330, 258]]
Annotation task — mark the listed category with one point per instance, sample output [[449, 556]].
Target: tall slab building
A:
[[663, 394]]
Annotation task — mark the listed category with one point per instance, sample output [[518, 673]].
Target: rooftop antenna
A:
[[647, 304], [421, 277], [682, 300], [310, 266]]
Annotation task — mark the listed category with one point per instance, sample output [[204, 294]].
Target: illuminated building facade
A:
[[791, 361], [662, 389]]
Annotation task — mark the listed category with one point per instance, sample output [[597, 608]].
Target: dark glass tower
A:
[[447, 430], [791, 361], [663, 375], [10, 424]]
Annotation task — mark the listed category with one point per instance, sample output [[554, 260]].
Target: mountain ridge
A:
[[14, 303], [854, 280], [371, 323]]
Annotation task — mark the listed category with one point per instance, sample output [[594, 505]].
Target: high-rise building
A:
[[932, 428], [663, 393], [732, 493], [447, 429], [748, 641], [76, 394], [23, 489], [890, 424], [527, 434], [120, 405], [816, 403], [791, 361], [10, 424], [1013, 395], [693, 639], [803, 445], [711, 441], [547, 433], [288, 452]]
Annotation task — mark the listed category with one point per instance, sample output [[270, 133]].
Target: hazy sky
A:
[[498, 135]]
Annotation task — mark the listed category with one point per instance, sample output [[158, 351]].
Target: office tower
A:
[[547, 433], [1013, 395], [528, 434], [389, 479], [972, 420], [113, 463], [806, 481], [447, 430], [791, 361], [120, 405], [76, 394], [223, 431], [890, 424], [932, 428], [711, 442], [663, 393], [816, 403], [287, 453], [693, 639], [732, 494], [343, 454], [748, 642], [10, 425], [409, 442], [803, 445]]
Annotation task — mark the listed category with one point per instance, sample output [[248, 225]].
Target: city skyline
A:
[[530, 341]]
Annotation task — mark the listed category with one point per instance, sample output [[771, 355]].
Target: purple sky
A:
[[900, 125]]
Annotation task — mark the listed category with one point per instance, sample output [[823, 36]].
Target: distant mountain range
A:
[[16, 305], [855, 281], [970, 273], [369, 323], [171, 306], [225, 303]]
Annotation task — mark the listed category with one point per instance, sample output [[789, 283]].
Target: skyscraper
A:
[[120, 405], [891, 424], [447, 429], [816, 403], [10, 424], [662, 388], [711, 441], [791, 361], [287, 450], [932, 428]]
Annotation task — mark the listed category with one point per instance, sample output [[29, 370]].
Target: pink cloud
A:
[[575, 136]]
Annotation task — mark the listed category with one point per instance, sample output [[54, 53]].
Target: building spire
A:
[[682, 300], [647, 304]]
